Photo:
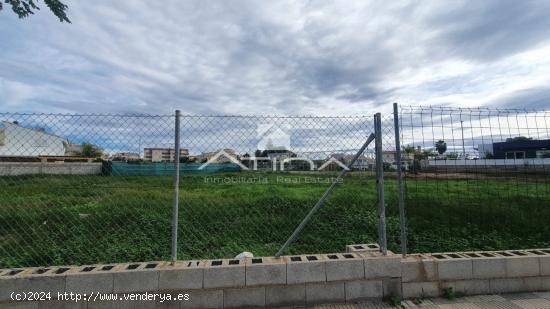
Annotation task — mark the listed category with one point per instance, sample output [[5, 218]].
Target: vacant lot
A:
[[47, 220]]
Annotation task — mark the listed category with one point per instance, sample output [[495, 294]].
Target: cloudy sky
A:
[[276, 57]]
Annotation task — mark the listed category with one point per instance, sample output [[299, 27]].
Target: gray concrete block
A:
[[507, 285], [285, 295], [545, 283], [362, 247], [53, 284], [392, 287], [347, 266], [58, 304], [224, 273], [305, 270], [418, 268], [204, 299], [533, 284], [265, 271], [522, 266], [384, 266], [363, 289], [472, 287], [144, 304], [22, 305], [113, 304], [138, 280], [454, 268], [89, 282], [181, 276], [420, 289], [327, 292], [489, 268], [544, 265], [243, 298], [6, 287]]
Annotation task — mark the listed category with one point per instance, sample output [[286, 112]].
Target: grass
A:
[[53, 220]]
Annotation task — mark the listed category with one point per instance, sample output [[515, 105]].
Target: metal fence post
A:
[[400, 188], [175, 201], [380, 184]]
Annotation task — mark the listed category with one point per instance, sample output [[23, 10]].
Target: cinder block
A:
[[544, 265], [347, 266], [116, 304], [22, 305], [96, 280], [472, 287], [305, 268], [7, 285], [224, 273], [181, 276], [453, 266], [507, 285], [420, 289], [285, 295], [53, 284], [383, 267], [55, 304], [144, 304], [204, 299], [533, 284], [364, 289], [392, 287], [326, 292], [127, 278], [522, 266], [489, 267], [418, 268], [362, 248], [265, 271], [242, 298], [545, 283]]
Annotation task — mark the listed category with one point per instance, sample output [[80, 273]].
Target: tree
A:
[[90, 151], [441, 146], [25, 8]]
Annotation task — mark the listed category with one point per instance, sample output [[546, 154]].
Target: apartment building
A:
[[162, 154]]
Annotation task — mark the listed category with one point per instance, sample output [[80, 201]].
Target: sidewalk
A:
[[505, 301]]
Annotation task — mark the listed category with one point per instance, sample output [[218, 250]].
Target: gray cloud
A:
[[321, 57]]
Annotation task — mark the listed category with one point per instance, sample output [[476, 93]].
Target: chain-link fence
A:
[[476, 178], [81, 189]]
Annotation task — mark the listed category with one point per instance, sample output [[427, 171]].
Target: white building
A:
[[162, 154], [18, 141]]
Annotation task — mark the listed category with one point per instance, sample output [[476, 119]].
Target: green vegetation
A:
[[49, 220]]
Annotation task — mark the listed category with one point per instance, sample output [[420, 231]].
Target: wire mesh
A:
[[476, 179], [82, 189], [72, 193]]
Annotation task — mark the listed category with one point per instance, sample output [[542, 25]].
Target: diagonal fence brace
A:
[[320, 202]]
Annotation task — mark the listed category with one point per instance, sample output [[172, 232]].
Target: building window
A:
[[540, 153], [515, 155]]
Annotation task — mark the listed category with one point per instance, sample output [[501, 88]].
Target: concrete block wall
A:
[[481, 272], [49, 168], [289, 281]]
